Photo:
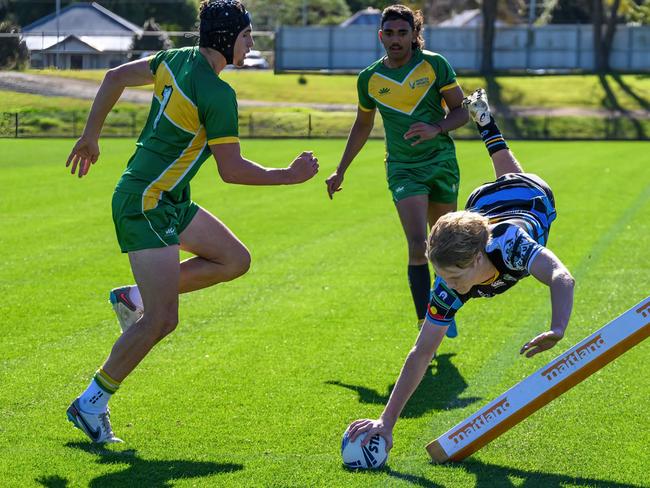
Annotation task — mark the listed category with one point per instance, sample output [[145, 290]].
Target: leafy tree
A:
[[13, 50], [172, 14], [607, 14], [150, 43], [640, 12], [271, 14]]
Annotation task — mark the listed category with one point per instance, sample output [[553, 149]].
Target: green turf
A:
[[264, 373], [630, 92]]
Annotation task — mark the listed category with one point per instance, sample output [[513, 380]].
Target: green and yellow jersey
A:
[[405, 95], [191, 109]]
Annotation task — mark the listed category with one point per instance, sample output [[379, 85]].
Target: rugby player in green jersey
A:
[[420, 101], [193, 115]]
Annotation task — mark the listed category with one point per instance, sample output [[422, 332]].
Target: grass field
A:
[[262, 376], [628, 92]]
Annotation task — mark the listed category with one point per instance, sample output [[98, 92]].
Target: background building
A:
[[85, 36]]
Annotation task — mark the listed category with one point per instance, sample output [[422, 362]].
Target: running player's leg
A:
[[413, 212], [502, 158], [219, 255], [156, 272], [437, 210]]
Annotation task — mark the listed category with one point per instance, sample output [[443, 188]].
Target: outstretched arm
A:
[[415, 366], [234, 168], [548, 269], [505, 162], [358, 136], [457, 117], [86, 150]]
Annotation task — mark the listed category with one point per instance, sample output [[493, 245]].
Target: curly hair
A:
[[413, 17], [457, 238]]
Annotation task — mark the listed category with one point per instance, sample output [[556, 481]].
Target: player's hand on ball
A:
[[540, 343], [370, 428], [304, 167], [422, 131], [334, 183], [84, 153]]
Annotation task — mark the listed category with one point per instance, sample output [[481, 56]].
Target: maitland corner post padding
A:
[[547, 383]]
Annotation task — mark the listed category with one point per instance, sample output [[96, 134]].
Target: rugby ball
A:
[[371, 456]]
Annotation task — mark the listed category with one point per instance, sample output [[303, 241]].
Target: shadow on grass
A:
[[613, 127], [513, 127], [439, 391], [140, 471], [52, 481], [644, 103], [493, 476]]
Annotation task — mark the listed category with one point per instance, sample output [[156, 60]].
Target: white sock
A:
[[95, 398], [134, 295]]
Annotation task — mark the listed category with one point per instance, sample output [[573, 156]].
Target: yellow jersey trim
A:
[[174, 172], [180, 110], [449, 86], [223, 140]]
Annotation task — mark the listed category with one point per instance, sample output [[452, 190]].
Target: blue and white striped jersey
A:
[[520, 207]]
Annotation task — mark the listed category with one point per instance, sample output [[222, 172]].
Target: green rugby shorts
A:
[[139, 229], [439, 180]]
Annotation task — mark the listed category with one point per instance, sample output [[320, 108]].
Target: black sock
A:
[[420, 283], [492, 137]]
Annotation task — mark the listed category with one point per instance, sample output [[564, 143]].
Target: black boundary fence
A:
[[282, 125]]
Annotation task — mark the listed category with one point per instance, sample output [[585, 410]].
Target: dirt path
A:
[[68, 87]]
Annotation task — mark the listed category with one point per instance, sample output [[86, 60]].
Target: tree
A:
[[603, 43], [640, 12], [149, 43], [171, 14], [13, 50], [489, 11], [273, 13]]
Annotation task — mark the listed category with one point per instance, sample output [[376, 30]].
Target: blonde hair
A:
[[457, 238]]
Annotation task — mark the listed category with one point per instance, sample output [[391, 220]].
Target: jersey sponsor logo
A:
[[520, 254], [419, 82], [498, 284], [403, 96], [400, 189], [170, 232]]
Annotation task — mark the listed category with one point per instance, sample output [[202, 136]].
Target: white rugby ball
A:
[[371, 456]]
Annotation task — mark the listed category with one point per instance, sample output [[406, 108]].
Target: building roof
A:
[[83, 19], [37, 42], [368, 16], [467, 18]]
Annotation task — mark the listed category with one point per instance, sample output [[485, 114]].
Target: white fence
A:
[[552, 47]]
